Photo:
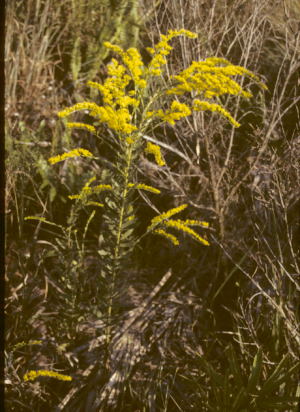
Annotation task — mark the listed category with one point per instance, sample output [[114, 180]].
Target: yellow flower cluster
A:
[[167, 235], [73, 153], [116, 119], [115, 111], [129, 140], [22, 344], [213, 107], [93, 107], [209, 79], [114, 86], [201, 223], [163, 48], [32, 375], [166, 215], [182, 225], [133, 61], [87, 191], [88, 127], [155, 150], [176, 112], [141, 186]]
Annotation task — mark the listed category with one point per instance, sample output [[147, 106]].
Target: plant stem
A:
[[117, 248]]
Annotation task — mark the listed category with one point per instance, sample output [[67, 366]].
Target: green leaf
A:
[[52, 193], [286, 375], [216, 377], [127, 234], [240, 400], [234, 364], [271, 382], [256, 371]]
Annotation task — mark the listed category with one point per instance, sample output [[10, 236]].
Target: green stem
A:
[[116, 255]]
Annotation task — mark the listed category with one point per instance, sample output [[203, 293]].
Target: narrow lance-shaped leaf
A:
[[256, 371]]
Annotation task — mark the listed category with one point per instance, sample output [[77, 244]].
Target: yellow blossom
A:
[[176, 112], [81, 126], [22, 344], [129, 140], [210, 78], [180, 225], [132, 60], [155, 150], [79, 106], [213, 107], [95, 204], [201, 223], [32, 375], [166, 215], [172, 238], [73, 153], [87, 191], [141, 186], [162, 49]]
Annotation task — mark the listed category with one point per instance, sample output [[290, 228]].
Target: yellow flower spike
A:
[[95, 204], [22, 344], [213, 107], [88, 127], [212, 77], [79, 106], [190, 222], [32, 375], [91, 180], [170, 237], [162, 217], [183, 32], [129, 140], [155, 150], [162, 49], [141, 186], [101, 188], [132, 60], [79, 152], [87, 190], [176, 112], [180, 225], [113, 47], [150, 50]]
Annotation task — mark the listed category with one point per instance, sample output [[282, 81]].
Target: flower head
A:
[[73, 153], [32, 375], [166, 215], [155, 150]]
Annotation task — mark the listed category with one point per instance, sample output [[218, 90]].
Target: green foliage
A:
[[98, 21], [244, 387]]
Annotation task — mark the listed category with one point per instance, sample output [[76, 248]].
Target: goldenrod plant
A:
[[135, 100], [126, 112]]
